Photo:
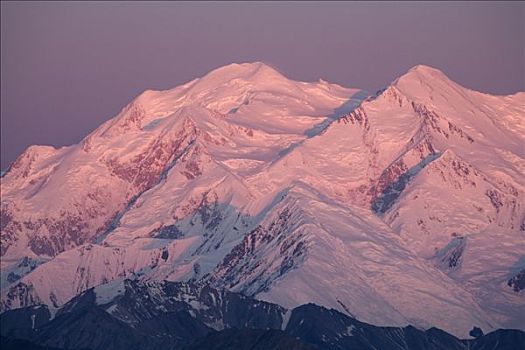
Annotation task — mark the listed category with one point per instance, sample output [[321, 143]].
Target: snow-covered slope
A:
[[310, 249], [239, 115], [288, 191]]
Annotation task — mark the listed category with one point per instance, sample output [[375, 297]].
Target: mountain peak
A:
[[235, 79], [255, 71], [421, 74], [244, 66], [422, 68], [421, 82]]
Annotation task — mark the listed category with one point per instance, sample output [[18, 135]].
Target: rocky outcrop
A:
[[244, 268], [517, 282]]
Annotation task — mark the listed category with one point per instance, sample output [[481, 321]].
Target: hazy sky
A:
[[67, 67]]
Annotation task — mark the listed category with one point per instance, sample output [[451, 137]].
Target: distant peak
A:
[[421, 68], [244, 69], [238, 76], [422, 81], [250, 65], [423, 73], [256, 72]]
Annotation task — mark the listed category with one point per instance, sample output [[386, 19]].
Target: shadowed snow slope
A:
[[403, 207]]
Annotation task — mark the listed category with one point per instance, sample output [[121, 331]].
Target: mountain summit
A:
[[290, 192]]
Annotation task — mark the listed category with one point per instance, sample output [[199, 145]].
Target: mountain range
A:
[[182, 315], [395, 208]]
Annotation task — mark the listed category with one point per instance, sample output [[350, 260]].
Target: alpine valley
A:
[[245, 210]]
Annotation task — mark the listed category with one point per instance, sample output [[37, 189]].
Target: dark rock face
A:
[[358, 117], [167, 231], [394, 180], [174, 315], [144, 170], [517, 283], [21, 292], [145, 316], [243, 264], [450, 257], [250, 339], [21, 323], [20, 344], [495, 199], [476, 332], [502, 339], [9, 227], [13, 277], [331, 330]]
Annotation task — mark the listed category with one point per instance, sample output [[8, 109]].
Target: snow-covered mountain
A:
[[402, 207]]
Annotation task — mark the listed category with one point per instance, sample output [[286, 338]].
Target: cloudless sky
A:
[[67, 67]]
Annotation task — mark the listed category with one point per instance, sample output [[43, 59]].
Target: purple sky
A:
[[67, 67]]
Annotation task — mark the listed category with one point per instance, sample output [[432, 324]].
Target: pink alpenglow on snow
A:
[[290, 192]]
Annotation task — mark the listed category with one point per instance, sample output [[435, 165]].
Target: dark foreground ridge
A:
[[175, 315]]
